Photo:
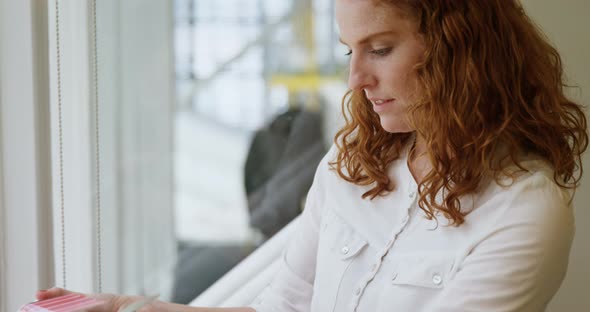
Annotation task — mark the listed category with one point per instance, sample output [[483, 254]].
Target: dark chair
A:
[[279, 170]]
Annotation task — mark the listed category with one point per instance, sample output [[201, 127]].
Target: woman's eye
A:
[[378, 52], [381, 52]]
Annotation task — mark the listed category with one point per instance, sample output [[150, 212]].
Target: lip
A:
[[380, 105]]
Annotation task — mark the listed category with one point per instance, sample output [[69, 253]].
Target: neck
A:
[[418, 161]]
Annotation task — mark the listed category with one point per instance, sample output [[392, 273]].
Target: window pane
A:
[[210, 155], [258, 88]]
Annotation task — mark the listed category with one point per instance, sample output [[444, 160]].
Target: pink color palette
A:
[[68, 303]]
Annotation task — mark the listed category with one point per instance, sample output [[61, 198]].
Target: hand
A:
[[112, 303]]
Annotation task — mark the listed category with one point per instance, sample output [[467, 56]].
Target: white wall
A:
[[566, 23]]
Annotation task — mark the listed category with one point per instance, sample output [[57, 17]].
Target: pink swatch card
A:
[[68, 303]]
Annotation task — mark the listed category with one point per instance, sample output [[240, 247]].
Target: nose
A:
[[359, 76]]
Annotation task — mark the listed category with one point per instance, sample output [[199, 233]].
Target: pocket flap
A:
[[343, 240], [422, 271], [349, 248]]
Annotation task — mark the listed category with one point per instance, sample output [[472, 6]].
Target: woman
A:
[[450, 186]]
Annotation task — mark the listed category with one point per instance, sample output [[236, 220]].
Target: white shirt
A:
[[354, 254]]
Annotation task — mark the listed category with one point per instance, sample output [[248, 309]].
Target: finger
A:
[[52, 293]]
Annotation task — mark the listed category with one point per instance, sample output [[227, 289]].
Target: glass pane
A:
[[206, 166], [258, 87]]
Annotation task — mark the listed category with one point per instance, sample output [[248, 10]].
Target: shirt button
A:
[[357, 291], [412, 194], [374, 267], [436, 279], [345, 250]]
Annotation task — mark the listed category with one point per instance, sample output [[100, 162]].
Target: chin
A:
[[395, 126]]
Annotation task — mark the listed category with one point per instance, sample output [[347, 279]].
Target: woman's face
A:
[[384, 47]]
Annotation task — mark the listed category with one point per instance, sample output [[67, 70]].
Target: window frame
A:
[[29, 155], [25, 183]]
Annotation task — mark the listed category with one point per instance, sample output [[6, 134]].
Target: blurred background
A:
[[214, 116], [255, 83]]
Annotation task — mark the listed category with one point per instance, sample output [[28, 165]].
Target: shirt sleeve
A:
[[519, 264], [291, 289]]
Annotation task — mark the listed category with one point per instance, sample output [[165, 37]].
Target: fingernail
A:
[[43, 290]]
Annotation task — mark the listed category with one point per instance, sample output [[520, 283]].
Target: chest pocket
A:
[[415, 280], [339, 246], [422, 271], [345, 243]]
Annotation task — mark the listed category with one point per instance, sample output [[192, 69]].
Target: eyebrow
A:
[[370, 37]]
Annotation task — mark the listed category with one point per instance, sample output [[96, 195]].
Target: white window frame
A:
[[130, 81], [135, 69], [76, 122], [30, 256], [25, 177]]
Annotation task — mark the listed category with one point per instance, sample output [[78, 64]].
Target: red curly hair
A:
[[488, 78]]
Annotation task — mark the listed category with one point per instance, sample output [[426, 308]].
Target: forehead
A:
[[360, 18]]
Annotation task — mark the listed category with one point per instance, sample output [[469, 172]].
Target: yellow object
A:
[[302, 82]]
